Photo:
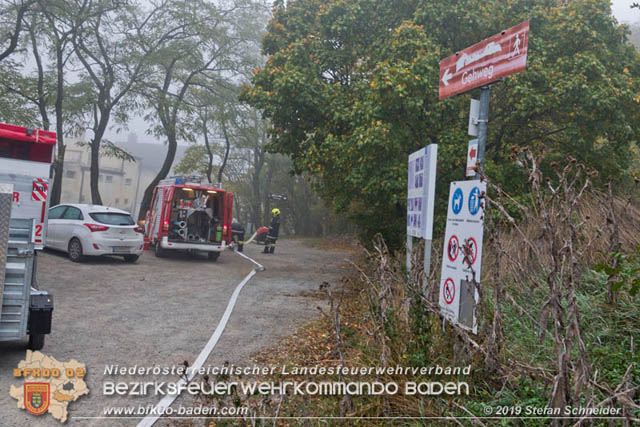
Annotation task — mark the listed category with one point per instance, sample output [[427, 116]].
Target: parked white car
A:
[[81, 229]]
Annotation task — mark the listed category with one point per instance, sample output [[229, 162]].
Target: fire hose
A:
[[168, 399]]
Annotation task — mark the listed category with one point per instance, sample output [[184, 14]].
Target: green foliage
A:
[[194, 161], [351, 88], [624, 270]]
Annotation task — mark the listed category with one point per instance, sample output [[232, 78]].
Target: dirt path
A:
[[162, 312]]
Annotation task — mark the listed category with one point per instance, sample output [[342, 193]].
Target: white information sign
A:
[[472, 157], [462, 254], [421, 192], [474, 113]]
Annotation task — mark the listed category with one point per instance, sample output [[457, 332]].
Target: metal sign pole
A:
[[427, 267], [409, 252], [483, 119]]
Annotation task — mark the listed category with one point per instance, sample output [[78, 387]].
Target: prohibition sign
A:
[[470, 251], [449, 291], [453, 248]]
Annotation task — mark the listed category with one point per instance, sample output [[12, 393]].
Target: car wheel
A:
[[75, 250], [36, 342], [131, 258], [213, 256], [159, 251]]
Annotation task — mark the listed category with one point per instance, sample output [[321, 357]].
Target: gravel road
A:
[[162, 312]]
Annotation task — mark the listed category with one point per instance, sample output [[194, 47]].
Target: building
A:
[[121, 182]]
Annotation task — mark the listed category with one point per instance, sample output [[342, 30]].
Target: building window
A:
[[126, 201], [109, 178], [70, 174], [127, 181]]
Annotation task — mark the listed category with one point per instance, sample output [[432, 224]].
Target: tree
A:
[[208, 56], [350, 89], [58, 28], [12, 15], [113, 43]]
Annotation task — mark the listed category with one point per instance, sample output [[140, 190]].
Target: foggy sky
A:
[[622, 11]]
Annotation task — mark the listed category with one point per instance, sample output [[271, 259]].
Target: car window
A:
[[56, 213], [72, 213], [112, 218]]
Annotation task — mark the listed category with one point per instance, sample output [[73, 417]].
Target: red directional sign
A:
[[491, 59]]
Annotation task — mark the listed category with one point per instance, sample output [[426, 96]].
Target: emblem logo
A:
[[36, 399]]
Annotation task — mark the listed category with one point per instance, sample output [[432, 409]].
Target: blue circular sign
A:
[[456, 201], [474, 201]]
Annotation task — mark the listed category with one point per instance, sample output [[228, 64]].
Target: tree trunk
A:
[[162, 174], [56, 189], [42, 105], [267, 199], [100, 126], [95, 173], [209, 154], [256, 211], [226, 151]]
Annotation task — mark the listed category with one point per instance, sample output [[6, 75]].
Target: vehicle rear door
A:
[[53, 224], [228, 217], [154, 217]]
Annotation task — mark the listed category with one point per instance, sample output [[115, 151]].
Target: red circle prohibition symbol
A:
[[473, 250], [453, 248], [449, 291]]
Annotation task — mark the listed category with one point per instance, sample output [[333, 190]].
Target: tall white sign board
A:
[[462, 254], [421, 192]]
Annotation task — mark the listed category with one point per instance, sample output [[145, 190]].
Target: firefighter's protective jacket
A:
[[274, 228]]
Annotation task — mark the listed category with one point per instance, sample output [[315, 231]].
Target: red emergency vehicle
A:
[[26, 157], [187, 214]]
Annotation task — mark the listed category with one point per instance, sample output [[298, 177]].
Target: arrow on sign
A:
[[472, 153], [445, 78]]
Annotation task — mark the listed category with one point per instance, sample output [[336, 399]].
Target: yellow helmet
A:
[[275, 211]]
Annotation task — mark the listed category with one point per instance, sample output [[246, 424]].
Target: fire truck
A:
[[187, 214], [26, 156]]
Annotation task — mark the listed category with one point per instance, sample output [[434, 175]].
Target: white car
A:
[[81, 229]]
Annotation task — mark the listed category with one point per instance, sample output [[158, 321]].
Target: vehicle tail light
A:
[[96, 247], [96, 227], [138, 230]]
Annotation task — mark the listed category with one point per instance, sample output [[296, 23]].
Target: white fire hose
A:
[[168, 399]]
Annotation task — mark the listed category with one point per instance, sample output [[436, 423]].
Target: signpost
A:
[[476, 66], [421, 190], [462, 254], [485, 62], [481, 64]]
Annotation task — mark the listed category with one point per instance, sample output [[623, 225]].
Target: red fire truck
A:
[[26, 156], [187, 214]]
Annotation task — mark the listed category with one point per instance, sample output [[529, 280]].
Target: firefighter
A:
[[237, 234], [270, 246]]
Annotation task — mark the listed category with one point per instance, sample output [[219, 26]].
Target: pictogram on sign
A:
[[453, 248], [456, 201], [474, 201], [470, 251], [449, 291]]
